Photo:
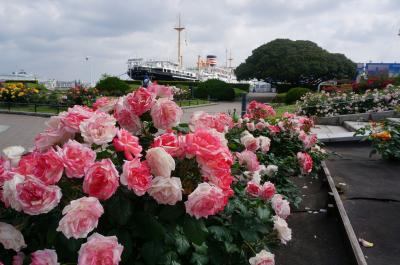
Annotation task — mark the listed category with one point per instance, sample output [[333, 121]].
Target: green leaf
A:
[[170, 258], [170, 213], [150, 227], [181, 243], [263, 213], [194, 230], [220, 233], [231, 248], [152, 251], [249, 235], [199, 257], [119, 209]]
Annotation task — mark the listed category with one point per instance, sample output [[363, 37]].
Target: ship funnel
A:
[[211, 60]]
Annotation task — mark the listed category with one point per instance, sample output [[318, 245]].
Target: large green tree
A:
[[295, 62]]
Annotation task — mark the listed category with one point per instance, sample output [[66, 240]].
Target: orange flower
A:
[[385, 135]]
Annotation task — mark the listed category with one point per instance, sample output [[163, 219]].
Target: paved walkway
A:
[[369, 188], [19, 129]]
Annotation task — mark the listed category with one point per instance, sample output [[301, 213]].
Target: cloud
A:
[[51, 38]]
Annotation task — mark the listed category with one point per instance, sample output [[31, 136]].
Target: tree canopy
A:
[[297, 62]]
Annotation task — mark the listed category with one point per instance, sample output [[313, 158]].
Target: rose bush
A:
[[327, 104], [132, 185]]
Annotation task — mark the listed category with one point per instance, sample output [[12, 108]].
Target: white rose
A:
[[284, 232], [14, 153], [265, 143], [11, 238], [10, 196], [280, 206], [166, 190], [271, 170], [161, 163], [263, 258]]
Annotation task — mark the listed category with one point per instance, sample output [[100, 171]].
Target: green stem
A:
[[251, 248]]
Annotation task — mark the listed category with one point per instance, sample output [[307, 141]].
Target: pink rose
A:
[[99, 129], [260, 126], [48, 166], [308, 140], [253, 188], [284, 232], [265, 143], [280, 206], [76, 157], [71, 119], [18, 259], [81, 216], [140, 101], [218, 169], [101, 179], [104, 104], [171, 143], [166, 190], [250, 126], [249, 141], [202, 143], [11, 238], [161, 91], [54, 134], [127, 143], [44, 257], [267, 190], [273, 129], [165, 114], [126, 118], [30, 195], [257, 110], [263, 258], [205, 200], [136, 175], [306, 162], [249, 159], [100, 250], [160, 162], [202, 120]]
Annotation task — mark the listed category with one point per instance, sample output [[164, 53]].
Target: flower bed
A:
[[125, 183], [385, 137], [332, 104]]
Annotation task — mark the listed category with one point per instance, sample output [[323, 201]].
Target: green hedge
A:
[[214, 89], [279, 98], [283, 88], [112, 86], [22, 81], [295, 94]]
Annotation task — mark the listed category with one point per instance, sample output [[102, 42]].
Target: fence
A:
[[32, 107]]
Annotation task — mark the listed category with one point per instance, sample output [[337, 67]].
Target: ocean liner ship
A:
[[138, 68]]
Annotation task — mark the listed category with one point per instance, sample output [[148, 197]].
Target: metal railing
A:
[[32, 107]]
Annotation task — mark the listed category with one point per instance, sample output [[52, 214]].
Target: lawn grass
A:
[[280, 109], [191, 102]]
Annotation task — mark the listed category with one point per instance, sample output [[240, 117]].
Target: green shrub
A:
[[295, 94], [215, 89], [238, 92], [279, 98], [112, 86]]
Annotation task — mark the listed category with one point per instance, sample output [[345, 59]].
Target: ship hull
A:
[[138, 73]]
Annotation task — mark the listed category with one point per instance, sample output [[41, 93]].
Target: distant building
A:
[[260, 87], [378, 69], [21, 75], [53, 84]]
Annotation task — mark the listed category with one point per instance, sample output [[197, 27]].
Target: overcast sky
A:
[[51, 38]]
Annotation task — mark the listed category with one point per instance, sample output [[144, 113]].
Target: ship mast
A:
[[230, 59], [179, 28]]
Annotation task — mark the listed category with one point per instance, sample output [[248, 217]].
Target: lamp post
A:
[[90, 69]]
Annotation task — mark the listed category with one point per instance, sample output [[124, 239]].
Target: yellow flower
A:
[[20, 94]]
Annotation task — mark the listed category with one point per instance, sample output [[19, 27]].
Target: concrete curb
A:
[[37, 114], [198, 106], [338, 120], [355, 245]]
